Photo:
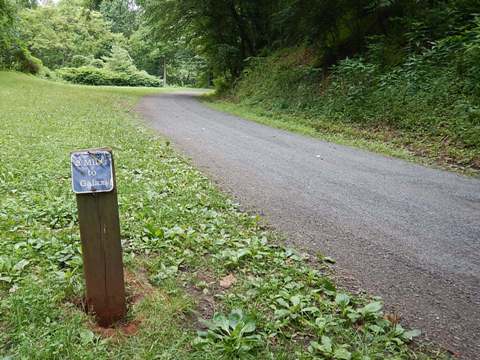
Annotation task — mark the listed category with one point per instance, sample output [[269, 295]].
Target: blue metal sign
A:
[[92, 171]]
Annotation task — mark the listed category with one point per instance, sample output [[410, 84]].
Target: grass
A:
[[382, 140], [189, 252]]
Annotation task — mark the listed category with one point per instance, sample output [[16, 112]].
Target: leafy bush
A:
[[46, 73], [89, 75], [117, 69], [80, 60]]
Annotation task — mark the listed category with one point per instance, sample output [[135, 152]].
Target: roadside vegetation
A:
[[190, 253]]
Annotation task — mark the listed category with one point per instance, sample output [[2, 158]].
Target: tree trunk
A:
[[245, 39], [164, 71]]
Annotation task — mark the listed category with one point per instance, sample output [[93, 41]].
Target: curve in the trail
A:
[[408, 233]]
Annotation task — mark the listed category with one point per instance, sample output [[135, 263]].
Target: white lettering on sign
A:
[[92, 171]]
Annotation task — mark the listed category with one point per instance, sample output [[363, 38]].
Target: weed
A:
[[233, 336]]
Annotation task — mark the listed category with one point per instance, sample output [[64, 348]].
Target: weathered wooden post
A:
[[93, 181]]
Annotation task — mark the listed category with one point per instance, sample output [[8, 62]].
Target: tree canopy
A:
[[228, 32], [57, 34]]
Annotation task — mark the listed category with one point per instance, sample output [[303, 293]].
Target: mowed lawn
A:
[[189, 252]]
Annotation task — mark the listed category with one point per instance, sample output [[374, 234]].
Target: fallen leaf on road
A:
[[228, 281]]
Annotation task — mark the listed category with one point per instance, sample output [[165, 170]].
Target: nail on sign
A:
[[92, 171]]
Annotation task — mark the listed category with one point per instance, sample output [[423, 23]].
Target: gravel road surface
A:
[[402, 231]]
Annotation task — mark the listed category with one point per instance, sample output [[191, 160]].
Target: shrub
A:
[[46, 73], [90, 75], [142, 78], [26, 62], [98, 63], [222, 85], [80, 60], [117, 69]]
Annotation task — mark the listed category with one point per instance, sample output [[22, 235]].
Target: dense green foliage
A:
[[7, 12], [90, 75], [122, 14], [59, 34], [82, 43], [224, 32], [181, 237], [117, 69], [183, 66], [13, 53], [177, 36]]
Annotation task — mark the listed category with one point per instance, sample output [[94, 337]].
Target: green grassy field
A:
[[189, 252]]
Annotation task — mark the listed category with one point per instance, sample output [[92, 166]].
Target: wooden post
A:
[[101, 246]]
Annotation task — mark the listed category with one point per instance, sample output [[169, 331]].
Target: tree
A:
[[56, 34], [225, 32], [119, 60], [13, 53], [7, 34], [122, 14]]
